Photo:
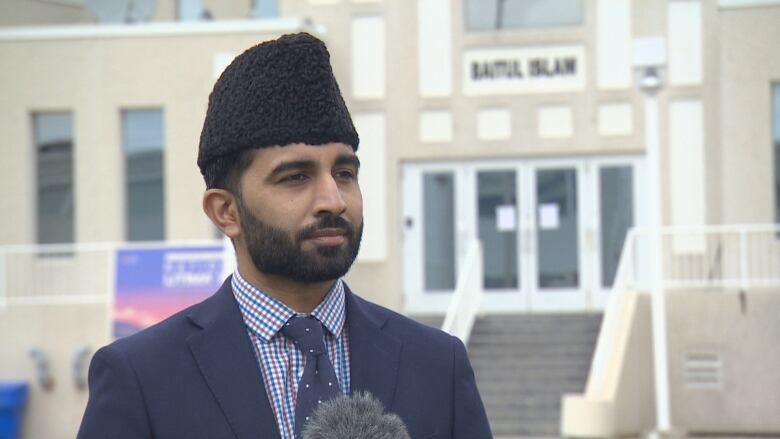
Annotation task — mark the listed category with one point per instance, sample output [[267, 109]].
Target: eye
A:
[[346, 174], [294, 178]]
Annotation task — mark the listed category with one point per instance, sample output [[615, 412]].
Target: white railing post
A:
[[743, 259], [467, 298], [607, 333]]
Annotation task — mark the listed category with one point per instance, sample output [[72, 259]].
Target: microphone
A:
[[360, 416]]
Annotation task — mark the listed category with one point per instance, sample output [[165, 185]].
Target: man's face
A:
[[301, 211]]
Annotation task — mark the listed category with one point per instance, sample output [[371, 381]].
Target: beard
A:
[[275, 252]]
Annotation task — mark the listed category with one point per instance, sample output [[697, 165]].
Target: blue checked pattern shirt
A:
[[281, 362]]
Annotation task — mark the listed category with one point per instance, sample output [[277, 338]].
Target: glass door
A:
[[552, 231], [557, 234], [435, 234], [500, 224], [497, 229]]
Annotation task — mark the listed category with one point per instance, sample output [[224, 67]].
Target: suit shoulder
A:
[[402, 326]]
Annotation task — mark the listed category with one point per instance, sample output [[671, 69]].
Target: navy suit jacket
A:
[[195, 375]]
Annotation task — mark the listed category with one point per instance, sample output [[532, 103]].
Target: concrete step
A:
[[533, 376], [525, 363], [492, 360], [536, 381], [554, 352], [523, 337], [537, 322]]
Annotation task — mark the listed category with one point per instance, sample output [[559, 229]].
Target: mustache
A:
[[327, 222]]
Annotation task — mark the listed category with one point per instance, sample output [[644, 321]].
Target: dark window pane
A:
[[557, 230], [189, 10], [519, 14], [616, 187], [143, 146], [497, 190], [439, 218], [54, 157], [265, 9]]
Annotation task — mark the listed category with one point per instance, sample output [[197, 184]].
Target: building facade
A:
[[520, 124]]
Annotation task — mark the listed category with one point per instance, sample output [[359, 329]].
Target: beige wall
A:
[[95, 78], [739, 329], [749, 65], [742, 331], [59, 331], [26, 12]]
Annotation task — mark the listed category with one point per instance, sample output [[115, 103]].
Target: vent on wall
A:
[[703, 370]]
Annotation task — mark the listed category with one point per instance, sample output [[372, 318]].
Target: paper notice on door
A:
[[506, 218], [549, 216]]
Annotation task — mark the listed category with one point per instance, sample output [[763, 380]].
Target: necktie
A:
[[318, 382]]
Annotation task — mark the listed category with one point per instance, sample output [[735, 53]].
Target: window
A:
[[776, 138], [142, 142], [190, 10], [265, 8], [53, 132], [481, 15]]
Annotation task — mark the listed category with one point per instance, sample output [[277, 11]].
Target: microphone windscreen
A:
[[360, 416]]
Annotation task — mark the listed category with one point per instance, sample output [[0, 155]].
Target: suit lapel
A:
[[225, 357], [374, 355]]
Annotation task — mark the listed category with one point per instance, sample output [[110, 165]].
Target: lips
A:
[[328, 236]]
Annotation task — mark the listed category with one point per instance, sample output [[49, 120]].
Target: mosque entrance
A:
[[551, 229]]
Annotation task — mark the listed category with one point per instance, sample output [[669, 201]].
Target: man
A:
[[284, 332]]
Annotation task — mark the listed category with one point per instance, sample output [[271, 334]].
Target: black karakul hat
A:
[[276, 93]]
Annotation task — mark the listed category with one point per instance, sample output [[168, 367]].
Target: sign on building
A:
[[500, 71]]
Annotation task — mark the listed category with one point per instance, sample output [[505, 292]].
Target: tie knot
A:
[[307, 333]]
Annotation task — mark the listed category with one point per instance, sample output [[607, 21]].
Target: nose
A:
[[328, 198]]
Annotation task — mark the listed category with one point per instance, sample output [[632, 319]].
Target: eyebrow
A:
[[346, 159], [291, 165], [283, 167]]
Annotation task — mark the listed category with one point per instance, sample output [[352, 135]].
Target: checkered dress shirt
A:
[[281, 362]]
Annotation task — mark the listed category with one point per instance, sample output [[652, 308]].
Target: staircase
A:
[[525, 362]]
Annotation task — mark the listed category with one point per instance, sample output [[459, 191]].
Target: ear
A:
[[220, 206]]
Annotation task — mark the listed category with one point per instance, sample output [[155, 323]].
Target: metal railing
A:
[[717, 257], [466, 300], [55, 274], [705, 257], [64, 274]]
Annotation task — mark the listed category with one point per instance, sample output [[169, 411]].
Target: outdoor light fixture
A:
[[80, 359], [650, 82], [42, 367]]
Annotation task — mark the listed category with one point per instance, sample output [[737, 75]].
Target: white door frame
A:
[[528, 297]]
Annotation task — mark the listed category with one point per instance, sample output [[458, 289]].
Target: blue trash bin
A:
[[13, 396]]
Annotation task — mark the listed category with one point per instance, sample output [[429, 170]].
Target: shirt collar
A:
[[265, 315]]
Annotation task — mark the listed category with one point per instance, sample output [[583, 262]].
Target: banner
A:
[[154, 283]]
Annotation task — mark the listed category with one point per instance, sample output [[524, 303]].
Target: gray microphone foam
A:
[[360, 416]]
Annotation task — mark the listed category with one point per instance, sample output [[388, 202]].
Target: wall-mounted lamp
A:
[[650, 81], [42, 368], [80, 358]]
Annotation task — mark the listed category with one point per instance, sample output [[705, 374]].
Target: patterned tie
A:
[[318, 382]]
